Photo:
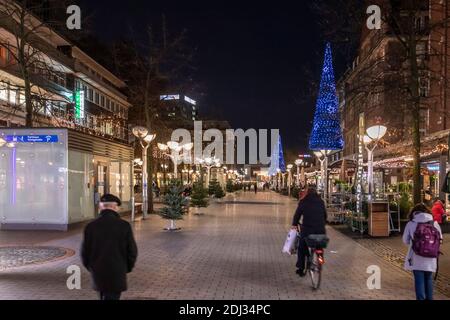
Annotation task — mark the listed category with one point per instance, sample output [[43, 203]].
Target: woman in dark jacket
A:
[[311, 210]]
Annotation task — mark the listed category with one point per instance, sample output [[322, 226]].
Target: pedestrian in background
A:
[[109, 250], [438, 211], [423, 236]]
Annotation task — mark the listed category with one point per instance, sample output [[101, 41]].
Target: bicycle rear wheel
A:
[[315, 271]]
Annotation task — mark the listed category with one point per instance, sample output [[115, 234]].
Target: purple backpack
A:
[[427, 240]]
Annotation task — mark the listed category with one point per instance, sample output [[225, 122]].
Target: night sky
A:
[[256, 62]]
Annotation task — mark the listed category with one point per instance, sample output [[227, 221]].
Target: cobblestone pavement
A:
[[233, 251]]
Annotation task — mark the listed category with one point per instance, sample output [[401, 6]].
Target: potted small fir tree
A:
[[199, 197], [175, 204]]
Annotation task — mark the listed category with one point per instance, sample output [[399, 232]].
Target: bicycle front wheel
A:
[[315, 271]]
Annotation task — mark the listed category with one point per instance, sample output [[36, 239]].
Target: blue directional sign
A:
[[32, 138]]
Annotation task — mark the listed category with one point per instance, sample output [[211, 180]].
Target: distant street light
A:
[[145, 140], [298, 163], [289, 168], [278, 179], [209, 163], [175, 149]]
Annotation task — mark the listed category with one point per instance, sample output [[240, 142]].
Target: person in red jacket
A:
[[438, 211]]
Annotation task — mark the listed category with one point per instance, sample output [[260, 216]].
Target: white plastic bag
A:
[[291, 243]]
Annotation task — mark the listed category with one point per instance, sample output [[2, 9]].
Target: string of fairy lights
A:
[[406, 160]]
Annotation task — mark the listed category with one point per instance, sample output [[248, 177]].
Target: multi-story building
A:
[[80, 107], [178, 106], [374, 88]]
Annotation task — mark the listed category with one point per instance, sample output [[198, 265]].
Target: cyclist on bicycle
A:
[[311, 209]]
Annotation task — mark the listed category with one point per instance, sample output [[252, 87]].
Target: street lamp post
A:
[[298, 163], [373, 136], [175, 156], [289, 168], [164, 148], [322, 156], [164, 167], [208, 164], [176, 148], [321, 160], [145, 139]]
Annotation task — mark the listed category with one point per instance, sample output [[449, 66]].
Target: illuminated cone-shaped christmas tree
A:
[[277, 160], [326, 132]]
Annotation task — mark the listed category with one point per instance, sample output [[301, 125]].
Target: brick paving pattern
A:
[[233, 251]]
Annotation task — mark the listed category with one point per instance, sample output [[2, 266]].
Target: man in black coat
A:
[[109, 250], [312, 209]]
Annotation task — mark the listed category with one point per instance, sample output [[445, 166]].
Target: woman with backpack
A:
[[423, 236]]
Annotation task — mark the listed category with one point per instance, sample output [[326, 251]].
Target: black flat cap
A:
[[111, 198]]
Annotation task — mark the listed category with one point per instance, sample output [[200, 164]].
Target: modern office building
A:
[[178, 106]]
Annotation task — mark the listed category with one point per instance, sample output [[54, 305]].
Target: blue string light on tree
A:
[[281, 163], [277, 159], [326, 132]]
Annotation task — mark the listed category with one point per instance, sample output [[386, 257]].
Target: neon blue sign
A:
[[32, 138]]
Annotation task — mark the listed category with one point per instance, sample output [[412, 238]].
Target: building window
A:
[[4, 94], [102, 100], [422, 50], [424, 87], [96, 97], [90, 94], [424, 120], [12, 96], [22, 98], [4, 55], [48, 108], [422, 22]]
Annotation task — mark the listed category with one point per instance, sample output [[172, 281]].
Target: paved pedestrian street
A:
[[233, 251]]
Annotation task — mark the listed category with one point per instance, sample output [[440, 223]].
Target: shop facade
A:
[[51, 178]]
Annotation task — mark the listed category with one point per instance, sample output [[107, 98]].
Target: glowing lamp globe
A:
[[149, 138], [162, 147], [140, 132], [172, 145], [376, 132], [318, 154], [367, 139], [188, 146]]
